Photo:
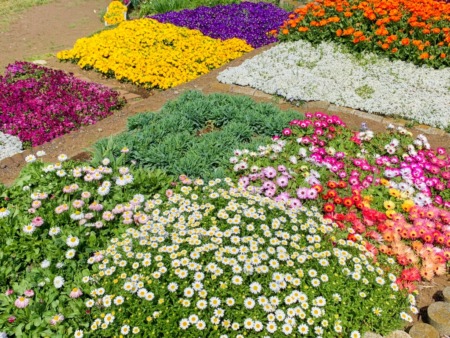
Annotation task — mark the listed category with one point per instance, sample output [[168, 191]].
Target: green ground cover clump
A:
[[196, 134]]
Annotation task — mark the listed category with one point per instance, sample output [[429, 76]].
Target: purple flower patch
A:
[[247, 21], [38, 104]]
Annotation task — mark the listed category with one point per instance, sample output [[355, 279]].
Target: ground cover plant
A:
[[247, 21], [39, 104], [94, 251], [9, 145], [53, 223], [195, 134], [390, 188], [414, 31], [153, 55], [328, 72]]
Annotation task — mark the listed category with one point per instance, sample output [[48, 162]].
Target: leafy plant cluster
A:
[[195, 134]]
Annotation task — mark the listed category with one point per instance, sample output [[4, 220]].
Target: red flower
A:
[[338, 200], [332, 184], [411, 275], [351, 237], [342, 184], [318, 188], [351, 217], [356, 198], [332, 193], [402, 260], [328, 207], [347, 202], [340, 217]]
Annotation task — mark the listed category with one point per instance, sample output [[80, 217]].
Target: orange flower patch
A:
[[416, 31]]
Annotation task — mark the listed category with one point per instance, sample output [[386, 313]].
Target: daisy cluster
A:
[[325, 72], [52, 225], [319, 162], [224, 262]]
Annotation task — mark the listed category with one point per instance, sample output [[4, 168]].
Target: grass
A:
[[39, 57], [9, 9]]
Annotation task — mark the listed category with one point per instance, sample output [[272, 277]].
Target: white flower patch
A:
[[9, 145], [301, 71]]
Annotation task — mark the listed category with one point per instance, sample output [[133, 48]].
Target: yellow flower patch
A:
[[115, 13], [152, 54]]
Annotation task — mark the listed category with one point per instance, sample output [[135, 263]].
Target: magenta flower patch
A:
[[39, 104]]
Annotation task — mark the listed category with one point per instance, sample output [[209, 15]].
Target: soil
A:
[[42, 31]]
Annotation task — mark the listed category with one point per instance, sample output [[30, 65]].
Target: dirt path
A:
[[46, 29]]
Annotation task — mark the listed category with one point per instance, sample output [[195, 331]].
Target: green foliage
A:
[[162, 6], [196, 134]]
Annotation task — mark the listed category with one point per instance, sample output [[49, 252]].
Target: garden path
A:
[[42, 31]]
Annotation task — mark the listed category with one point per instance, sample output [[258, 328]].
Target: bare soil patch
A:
[[46, 29]]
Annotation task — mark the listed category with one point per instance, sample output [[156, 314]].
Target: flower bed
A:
[[247, 21], [324, 231], [39, 104], [386, 187], [115, 13], [415, 31], [195, 134], [182, 262], [152, 54], [301, 71]]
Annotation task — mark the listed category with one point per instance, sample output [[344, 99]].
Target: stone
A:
[[439, 314], [446, 294], [371, 335], [40, 62], [398, 334], [422, 330]]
